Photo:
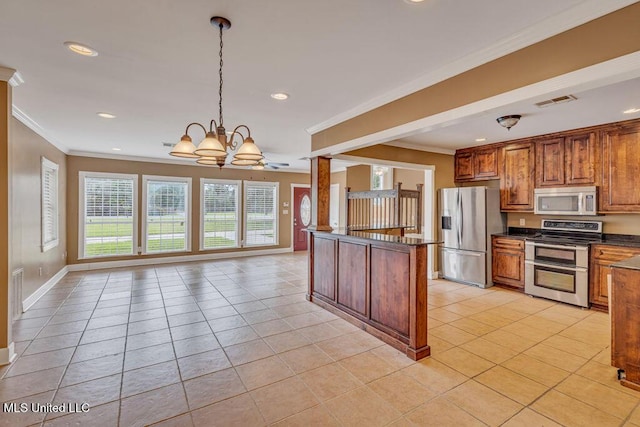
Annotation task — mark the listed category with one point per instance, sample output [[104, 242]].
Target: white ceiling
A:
[[157, 66]]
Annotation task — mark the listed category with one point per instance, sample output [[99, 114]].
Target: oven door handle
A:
[[547, 245], [558, 267]]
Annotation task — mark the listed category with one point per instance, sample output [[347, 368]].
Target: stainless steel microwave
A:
[[566, 201]]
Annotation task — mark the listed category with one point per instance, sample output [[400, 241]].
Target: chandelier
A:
[[212, 150], [509, 121]]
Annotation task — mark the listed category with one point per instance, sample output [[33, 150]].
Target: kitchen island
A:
[[625, 320], [376, 281]]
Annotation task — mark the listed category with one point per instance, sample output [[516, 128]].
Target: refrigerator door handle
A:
[[459, 219]]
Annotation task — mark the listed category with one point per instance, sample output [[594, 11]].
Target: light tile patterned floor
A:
[[234, 342]]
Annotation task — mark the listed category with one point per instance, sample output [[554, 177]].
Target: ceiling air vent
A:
[[168, 144], [558, 100]]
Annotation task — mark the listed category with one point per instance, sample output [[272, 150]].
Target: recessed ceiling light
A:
[[631, 111], [81, 49], [280, 96], [413, 1], [481, 139], [106, 115], [116, 149]]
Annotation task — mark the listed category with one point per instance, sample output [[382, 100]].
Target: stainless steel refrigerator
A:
[[468, 218]]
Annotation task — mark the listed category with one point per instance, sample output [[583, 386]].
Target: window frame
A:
[[269, 184], [82, 175], [386, 179], [239, 215], [47, 165], [188, 213]]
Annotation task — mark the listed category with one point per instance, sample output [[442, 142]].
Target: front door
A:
[[301, 217]]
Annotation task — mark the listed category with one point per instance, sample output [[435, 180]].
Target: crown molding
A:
[[172, 161], [34, 126], [420, 147], [554, 25], [11, 76]]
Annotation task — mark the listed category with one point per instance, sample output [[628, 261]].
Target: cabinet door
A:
[[516, 185], [486, 162], [581, 159], [599, 293], [621, 167], [550, 161], [464, 166], [507, 261]]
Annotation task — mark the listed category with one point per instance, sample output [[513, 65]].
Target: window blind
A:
[[109, 216], [220, 219], [167, 217], [49, 204], [261, 214]]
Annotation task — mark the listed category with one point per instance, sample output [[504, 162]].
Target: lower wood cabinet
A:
[[602, 256], [507, 262]]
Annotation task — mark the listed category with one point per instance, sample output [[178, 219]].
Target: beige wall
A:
[[77, 164], [612, 223], [340, 178], [408, 177], [359, 178], [27, 148], [443, 163]]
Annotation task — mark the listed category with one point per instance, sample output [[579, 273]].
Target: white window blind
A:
[[220, 218], [49, 178], [166, 224], [109, 212], [261, 213]]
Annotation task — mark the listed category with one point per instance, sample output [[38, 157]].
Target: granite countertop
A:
[[632, 263], [381, 237], [626, 240]]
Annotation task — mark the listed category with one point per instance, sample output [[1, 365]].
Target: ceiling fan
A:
[[262, 164]]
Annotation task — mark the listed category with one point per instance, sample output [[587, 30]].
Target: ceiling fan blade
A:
[[278, 164], [271, 166]]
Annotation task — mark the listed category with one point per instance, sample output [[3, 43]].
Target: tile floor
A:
[[234, 342]]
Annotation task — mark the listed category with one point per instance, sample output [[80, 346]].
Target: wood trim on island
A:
[[377, 282]]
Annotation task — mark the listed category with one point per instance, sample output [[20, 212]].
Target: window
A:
[[49, 227], [219, 224], [381, 178], [260, 213], [108, 212], [167, 202]]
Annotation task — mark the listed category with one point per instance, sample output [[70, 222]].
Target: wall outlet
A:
[[522, 222], [285, 212]]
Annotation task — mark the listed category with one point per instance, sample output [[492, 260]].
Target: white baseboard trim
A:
[[34, 297], [7, 355], [434, 275], [174, 259]]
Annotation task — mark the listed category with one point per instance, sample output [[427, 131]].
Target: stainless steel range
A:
[[557, 260]]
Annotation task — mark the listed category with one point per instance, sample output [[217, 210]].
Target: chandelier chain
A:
[[220, 88]]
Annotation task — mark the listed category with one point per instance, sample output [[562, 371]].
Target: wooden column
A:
[[7, 353], [320, 186]]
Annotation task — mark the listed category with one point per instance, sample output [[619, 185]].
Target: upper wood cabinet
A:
[[621, 169], [517, 183], [569, 160], [550, 160], [477, 164]]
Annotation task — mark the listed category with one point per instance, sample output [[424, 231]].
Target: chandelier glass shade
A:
[[214, 148], [509, 121]]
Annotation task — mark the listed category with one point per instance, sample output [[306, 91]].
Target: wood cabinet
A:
[[569, 160], [375, 281], [621, 170], [602, 256], [477, 164], [507, 262], [517, 183], [625, 324]]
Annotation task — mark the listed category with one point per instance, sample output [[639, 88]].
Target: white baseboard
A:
[[434, 275], [7, 355], [174, 259], [34, 297]]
